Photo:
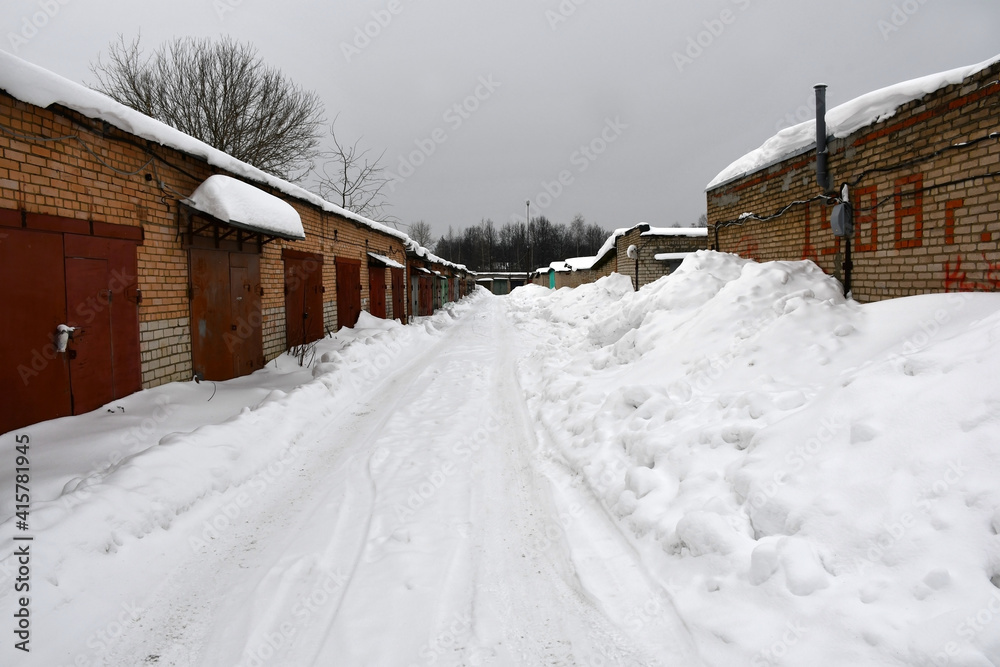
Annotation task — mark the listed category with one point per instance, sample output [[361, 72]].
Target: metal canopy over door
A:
[[348, 292], [34, 377], [376, 290], [398, 295], [303, 297]]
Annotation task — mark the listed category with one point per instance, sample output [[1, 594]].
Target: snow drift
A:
[[812, 479]]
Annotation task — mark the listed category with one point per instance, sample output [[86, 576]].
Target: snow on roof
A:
[[424, 253], [676, 231], [36, 85], [668, 256], [391, 263], [609, 244], [560, 267], [243, 205], [581, 263], [844, 120]]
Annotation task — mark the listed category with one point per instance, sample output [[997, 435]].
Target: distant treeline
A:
[[517, 246]]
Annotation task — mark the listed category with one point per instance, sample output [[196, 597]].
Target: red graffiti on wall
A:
[[957, 280], [747, 247]]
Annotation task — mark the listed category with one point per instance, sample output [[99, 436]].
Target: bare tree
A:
[[421, 232], [349, 178], [222, 93], [575, 233]]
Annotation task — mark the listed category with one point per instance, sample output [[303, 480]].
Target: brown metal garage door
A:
[[348, 292], [426, 296], [303, 297], [226, 316], [398, 295], [376, 290]]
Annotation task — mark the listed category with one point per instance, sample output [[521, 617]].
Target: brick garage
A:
[[929, 221], [650, 242], [80, 193], [433, 281]]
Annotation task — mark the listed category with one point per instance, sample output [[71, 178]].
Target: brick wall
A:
[[649, 244], [925, 235], [605, 268], [62, 177]]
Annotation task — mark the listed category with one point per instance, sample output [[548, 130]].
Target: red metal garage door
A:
[[210, 319], [303, 297], [102, 299], [376, 290], [86, 282], [34, 378], [348, 292], [245, 340], [226, 314], [86, 287], [426, 296], [398, 295]]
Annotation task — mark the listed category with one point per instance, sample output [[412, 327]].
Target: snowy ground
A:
[[733, 466]]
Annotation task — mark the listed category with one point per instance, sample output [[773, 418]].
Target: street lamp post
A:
[[531, 249]]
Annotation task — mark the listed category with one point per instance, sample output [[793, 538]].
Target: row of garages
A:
[[133, 255], [643, 253]]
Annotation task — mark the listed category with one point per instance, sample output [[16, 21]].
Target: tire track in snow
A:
[[443, 548], [203, 612]]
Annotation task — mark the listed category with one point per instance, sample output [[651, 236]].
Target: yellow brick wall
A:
[[942, 239], [651, 270]]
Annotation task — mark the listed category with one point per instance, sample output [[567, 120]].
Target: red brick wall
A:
[[943, 238]]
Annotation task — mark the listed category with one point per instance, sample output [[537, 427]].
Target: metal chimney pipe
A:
[[822, 152]]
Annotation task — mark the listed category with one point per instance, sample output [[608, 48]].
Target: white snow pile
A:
[[130, 469], [813, 481], [846, 119], [231, 200]]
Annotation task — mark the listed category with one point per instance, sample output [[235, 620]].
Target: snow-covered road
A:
[[415, 522]]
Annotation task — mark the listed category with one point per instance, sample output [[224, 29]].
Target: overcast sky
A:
[[664, 93]]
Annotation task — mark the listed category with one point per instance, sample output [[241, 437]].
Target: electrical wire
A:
[[78, 139], [925, 158], [747, 217]]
